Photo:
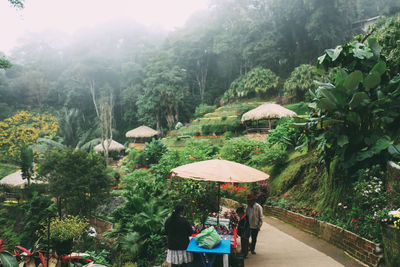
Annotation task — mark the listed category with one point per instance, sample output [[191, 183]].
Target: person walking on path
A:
[[178, 231], [255, 213], [243, 231]]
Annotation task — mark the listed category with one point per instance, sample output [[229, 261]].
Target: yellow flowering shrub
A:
[[66, 228], [24, 128]]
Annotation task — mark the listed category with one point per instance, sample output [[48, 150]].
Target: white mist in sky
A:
[[70, 15]]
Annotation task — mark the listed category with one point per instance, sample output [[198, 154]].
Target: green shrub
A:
[[203, 109], [168, 161], [200, 149], [228, 135], [241, 149], [285, 134], [153, 151], [99, 257], [132, 153], [139, 222], [218, 129], [37, 210], [276, 155], [301, 108], [139, 160]]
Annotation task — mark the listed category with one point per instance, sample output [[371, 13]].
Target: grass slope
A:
[[229, 114], [6, 169]]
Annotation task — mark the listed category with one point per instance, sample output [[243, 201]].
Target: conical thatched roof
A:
[[114, 146], [15, 179], [141, 132], [267, 111]]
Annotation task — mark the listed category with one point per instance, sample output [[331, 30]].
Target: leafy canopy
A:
[[301, 80], [259, 81], [358, 110], [78, 179]]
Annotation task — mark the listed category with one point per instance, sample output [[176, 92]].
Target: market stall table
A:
[[208, 255], [214, 221]]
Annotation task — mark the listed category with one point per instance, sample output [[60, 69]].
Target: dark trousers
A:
[[244, 243], [253, 234]]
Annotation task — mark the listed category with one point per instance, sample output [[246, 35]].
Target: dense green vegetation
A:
[[159, 80], [328, 163]]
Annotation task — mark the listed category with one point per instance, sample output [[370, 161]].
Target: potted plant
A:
[[63, 232]]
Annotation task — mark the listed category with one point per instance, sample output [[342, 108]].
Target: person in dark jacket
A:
[[178, 231], [243, 230]]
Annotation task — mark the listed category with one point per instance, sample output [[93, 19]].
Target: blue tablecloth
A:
[[223, 248]]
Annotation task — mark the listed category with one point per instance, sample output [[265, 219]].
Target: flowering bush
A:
[[386, 216], [236, 192], [63, 229], [23, 129], [369, 190], [232, 216], [383, 216], [396, 218]]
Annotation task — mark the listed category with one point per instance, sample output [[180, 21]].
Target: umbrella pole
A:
[[219, 190]]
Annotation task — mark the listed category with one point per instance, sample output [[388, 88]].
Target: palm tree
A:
[[73, 132]]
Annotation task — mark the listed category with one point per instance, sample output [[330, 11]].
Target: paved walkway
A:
[[280, 244]]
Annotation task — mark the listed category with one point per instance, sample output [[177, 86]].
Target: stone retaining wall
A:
[[360, 248], [364, 250], [100, 225]]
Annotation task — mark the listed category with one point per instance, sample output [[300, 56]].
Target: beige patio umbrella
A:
[[114, 146], [141, 132], [267, 111], [219, 170]]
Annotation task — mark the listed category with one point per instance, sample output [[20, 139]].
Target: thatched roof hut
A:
[[114, 146], [15, 179], [141, 132], [267, 111]]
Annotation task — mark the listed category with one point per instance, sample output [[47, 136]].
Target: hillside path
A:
[[280, 244]]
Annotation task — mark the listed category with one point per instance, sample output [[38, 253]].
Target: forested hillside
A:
[[234, 49]]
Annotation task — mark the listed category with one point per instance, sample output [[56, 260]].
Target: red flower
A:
[[353, 220]]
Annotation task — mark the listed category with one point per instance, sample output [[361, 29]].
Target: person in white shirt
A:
[[255, 213]]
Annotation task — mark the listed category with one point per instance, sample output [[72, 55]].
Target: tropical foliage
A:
[[358, 110], [258, 82]]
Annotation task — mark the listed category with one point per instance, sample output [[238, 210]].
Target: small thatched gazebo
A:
[[114, 146], [267, 112], [15, 180], [140, 132]]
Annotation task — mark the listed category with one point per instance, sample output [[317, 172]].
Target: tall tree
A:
[[163, 93], [78, 179]]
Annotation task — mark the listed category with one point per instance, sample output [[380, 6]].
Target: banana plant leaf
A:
[[358, 99], [352, 81], [372, 80]]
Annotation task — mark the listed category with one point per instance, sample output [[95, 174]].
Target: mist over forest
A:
[[156, 78]]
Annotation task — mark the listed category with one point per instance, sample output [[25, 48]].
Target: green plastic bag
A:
[[208, 238]]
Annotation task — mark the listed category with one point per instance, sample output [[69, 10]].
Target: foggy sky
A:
[[71, 15]]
